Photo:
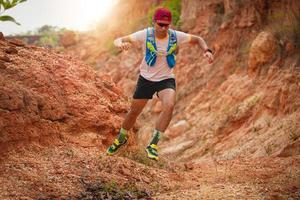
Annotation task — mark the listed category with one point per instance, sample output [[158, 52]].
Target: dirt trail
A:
[[68, 171], [265, 178]]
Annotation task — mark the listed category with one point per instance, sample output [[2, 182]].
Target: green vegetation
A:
[[222, 17], [245, 47], [243, 52], [111, 190], [8, 4], [218, 19], [49, 35], [219, 9], [240, 3], [138, 156], [141, 157], [285, 26], [173, 5]]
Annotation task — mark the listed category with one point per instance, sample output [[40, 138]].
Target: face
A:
[[161, 25]]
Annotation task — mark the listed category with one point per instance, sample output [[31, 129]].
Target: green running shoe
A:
[[115, 146], [152, 152]]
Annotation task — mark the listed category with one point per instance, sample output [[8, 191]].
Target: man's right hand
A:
[[122, 45]]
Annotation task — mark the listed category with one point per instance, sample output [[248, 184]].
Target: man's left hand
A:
[[209, 56]]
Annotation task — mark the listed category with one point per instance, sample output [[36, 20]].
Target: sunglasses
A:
[[163, 25]]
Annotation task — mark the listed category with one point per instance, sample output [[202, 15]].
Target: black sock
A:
[[155, 137]]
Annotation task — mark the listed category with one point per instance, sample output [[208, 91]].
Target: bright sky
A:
[[72, 14]]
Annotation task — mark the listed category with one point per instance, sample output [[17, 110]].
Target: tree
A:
[[50, 35], [8, 4], [47, 29]]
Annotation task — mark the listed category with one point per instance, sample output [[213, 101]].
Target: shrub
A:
[[173, 5], [8, 4], [112, 190], [49, 36], [285, 26], [219, 9], [140, 156], [240, 3]]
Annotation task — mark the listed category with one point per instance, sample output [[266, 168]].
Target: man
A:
[[156, 75]]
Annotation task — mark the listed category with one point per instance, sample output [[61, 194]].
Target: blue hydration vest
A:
[[151, 49]]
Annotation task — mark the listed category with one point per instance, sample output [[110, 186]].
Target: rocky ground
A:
[[68, 171]]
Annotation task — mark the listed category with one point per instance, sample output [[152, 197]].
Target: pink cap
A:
[[162, 14]]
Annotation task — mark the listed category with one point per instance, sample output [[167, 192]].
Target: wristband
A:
[[209, 50]]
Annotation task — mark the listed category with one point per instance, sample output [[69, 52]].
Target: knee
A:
[[169, 107]]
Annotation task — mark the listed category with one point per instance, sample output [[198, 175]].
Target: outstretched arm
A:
[[207, 52], [123, 43]]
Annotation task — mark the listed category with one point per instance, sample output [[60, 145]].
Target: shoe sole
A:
[[111, 154], [150, 156]]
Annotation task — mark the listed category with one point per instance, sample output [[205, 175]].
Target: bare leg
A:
[[167, 96], [137, 105]]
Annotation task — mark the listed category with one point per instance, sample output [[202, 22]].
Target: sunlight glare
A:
[[93, 11]]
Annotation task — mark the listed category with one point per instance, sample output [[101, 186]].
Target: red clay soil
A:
[[46, 97], [234, 134], [50, 153], [69, 171]]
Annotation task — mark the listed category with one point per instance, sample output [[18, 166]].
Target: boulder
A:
[[263, 51]]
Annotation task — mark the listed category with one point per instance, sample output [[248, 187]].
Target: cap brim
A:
[[163, 21]]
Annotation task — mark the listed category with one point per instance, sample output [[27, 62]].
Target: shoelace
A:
[[117, 142], [154, 146]]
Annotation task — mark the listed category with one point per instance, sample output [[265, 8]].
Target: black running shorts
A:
[[145, 88]]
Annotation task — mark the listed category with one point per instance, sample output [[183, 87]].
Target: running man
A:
[[156, 75]]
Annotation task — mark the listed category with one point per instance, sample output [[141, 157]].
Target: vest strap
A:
[[151, 48]]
